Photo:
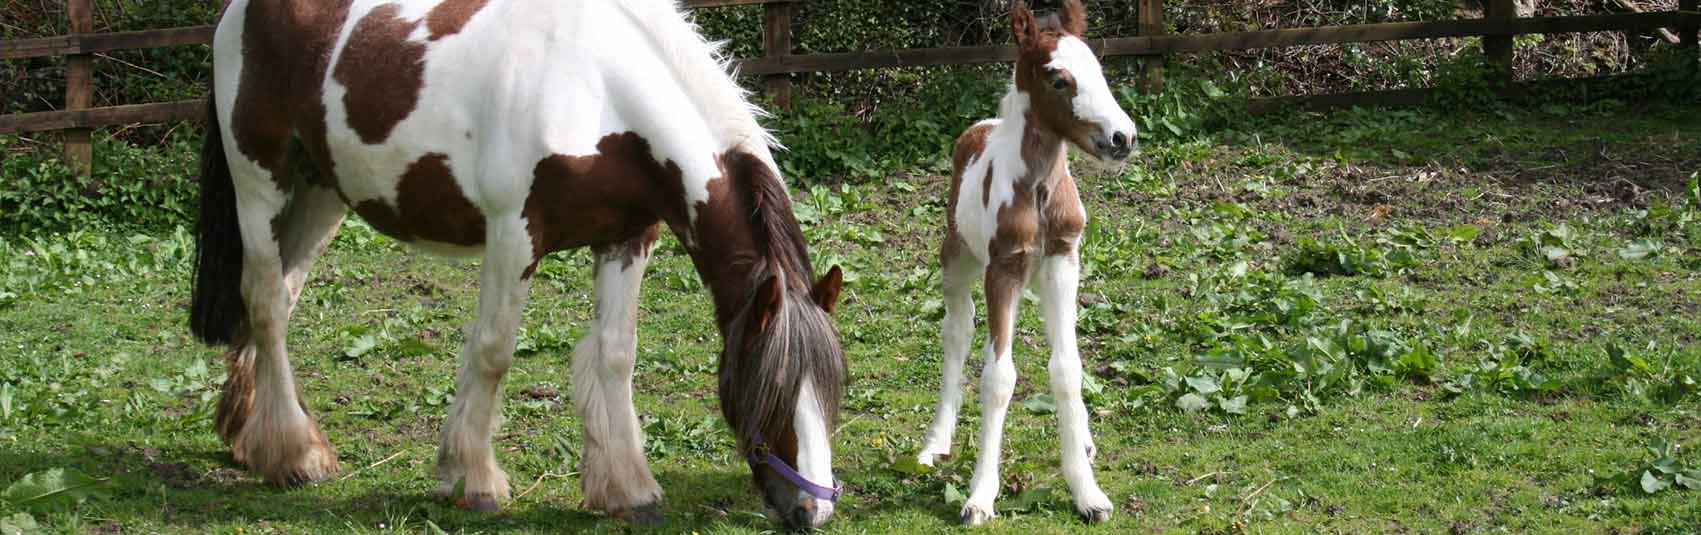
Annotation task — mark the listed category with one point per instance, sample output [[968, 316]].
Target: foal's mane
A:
[[760, 386]]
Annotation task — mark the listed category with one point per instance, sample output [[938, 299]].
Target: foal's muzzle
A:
[[1115, 147]]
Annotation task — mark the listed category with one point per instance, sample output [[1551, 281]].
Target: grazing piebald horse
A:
[[1014, 217], [510, 129]]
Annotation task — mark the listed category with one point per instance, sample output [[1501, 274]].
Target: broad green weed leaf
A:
[[1192, 403], [19, 524], [1203, 384], [1041, 404], [1690, 480], [1234, 405], [908, 465], [1464, 233], [1642, 248], [954, 496], [1652, 484], [53, 485], [360, 346]]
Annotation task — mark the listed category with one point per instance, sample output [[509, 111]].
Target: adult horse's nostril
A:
[[1119, 139], [802, 517]]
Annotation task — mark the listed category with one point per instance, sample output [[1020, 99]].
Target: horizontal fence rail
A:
[[1171, 44], [778, 63]]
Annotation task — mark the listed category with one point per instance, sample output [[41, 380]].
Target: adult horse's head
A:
[[1065, 84], [782, 372]]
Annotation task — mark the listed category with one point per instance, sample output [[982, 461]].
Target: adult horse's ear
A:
[[767, 304], [826, 291], [1073, 17], [1023, 25]]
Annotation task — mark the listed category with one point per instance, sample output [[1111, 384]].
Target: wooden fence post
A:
[[1689, 32], [79, 89], [1151, 23], [1498, 48], [776, 42]]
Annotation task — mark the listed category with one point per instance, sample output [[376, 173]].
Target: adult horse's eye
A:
[[1059, 83]]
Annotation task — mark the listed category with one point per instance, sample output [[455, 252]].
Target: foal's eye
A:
[[1060, 83]]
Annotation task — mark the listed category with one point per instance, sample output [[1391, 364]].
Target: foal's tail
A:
[[217, 314]]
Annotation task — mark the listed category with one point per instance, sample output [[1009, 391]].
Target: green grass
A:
[[1440, 372]]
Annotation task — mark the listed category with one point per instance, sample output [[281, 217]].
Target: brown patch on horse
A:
[[285, 45], [429, 206], [627, 251], [383, 72], [450, 16], [1049, 107], [970, 144], [1062, 215], [604, 198]]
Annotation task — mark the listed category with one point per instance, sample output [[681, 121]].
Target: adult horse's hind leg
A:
[[613, 472], [958, 272], [465, 452], [277, 438], [310, 221], [1059, 276]]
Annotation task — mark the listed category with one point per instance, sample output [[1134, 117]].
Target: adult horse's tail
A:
[[217, 313]]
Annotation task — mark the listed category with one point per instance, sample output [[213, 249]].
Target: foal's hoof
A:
[[480, 502], [974, 515], [643, 515], [1095, 515]]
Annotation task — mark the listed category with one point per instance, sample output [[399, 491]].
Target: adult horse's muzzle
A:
[[814, 503]]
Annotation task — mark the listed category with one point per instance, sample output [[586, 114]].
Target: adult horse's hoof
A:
[[974, 515], [1094, 515], [643, 515], [1095, 507], [480, 503]]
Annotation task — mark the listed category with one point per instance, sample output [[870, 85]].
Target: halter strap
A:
[[762, 455]]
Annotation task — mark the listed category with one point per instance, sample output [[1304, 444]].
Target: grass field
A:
[[1368, 322]]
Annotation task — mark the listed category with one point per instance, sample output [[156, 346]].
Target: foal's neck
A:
[[1020, 137]]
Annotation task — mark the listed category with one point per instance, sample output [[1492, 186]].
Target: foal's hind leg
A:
[[958, 272], [1059, 276], [613, 471], [310, 222], [465, 452], [277, 439]]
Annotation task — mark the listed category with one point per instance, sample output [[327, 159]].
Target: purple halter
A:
[[762, 455]]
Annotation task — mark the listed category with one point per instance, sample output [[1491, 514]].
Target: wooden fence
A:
[[1497, 27]]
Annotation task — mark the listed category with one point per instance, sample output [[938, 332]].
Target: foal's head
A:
[[782, 372], [1065, 85]]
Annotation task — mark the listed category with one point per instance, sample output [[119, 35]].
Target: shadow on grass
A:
[[194, 488]]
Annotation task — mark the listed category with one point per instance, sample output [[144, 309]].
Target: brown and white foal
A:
[[1015, 218]]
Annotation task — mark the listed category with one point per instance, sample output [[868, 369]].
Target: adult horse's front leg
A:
[[613, 472], [465, 453], [1059, 278]]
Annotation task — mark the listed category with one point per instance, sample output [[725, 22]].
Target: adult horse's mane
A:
[[758, 395], [723, 103]]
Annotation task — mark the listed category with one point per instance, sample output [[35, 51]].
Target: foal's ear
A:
[[1023, 25], [826, 291], [767, 304], [1073, 18]]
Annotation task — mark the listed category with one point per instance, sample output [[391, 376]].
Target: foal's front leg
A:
[[1059, 277], [613, 472], [1005, 277], [465, 452]]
